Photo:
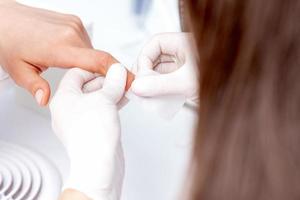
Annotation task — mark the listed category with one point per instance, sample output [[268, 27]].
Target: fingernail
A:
[[39, 96]]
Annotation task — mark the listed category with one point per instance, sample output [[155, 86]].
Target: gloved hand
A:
[[88, 125], [171, 55]]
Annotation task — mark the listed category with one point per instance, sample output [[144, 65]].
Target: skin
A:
[[32, 40], [70, 194]]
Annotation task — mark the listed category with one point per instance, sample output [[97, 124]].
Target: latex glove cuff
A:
[[82, 176]]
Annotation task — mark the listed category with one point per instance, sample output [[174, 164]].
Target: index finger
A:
[[74, 80], [92, 60]]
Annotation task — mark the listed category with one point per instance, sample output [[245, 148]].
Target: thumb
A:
[[28, 77], [158, 85], [114, 83]]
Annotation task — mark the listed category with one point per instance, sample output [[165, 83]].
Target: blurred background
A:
[[156, 150]]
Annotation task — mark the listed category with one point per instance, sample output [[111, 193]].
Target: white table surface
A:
[[156, 151]]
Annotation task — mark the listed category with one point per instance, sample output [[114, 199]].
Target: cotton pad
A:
[[165, 106]]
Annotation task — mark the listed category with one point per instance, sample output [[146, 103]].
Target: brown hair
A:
[[247, 146]]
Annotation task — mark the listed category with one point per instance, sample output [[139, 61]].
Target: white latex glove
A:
[[171, 55], [88, 126]]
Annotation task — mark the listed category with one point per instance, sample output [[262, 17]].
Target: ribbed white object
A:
[[26, 175]]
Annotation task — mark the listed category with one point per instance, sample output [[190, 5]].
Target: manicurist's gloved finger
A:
[[28, 77], [93, 85], [167, 66], [74, 80], [161, 46], [115, 82]]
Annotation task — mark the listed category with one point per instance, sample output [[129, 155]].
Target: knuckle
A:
[[154, 40], [75, 18], [76, 22], [34, 85], [19, 80], [70, 32], [78, 26], [105, 59], [108, 59]]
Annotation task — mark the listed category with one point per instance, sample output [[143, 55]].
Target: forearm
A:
[[70, 194]]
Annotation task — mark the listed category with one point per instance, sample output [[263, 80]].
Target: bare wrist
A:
[[71, 194]]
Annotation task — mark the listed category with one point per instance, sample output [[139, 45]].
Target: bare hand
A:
[[32, 39]]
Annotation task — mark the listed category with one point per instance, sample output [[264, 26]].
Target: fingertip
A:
[[42, 94], [28, 77], [39, 95], [117, 75], [102, 61], [146, 87], [115, 82], [46, 97], [137, 87], [118, 70]]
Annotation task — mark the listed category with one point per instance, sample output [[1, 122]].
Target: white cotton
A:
[[164, 106]]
